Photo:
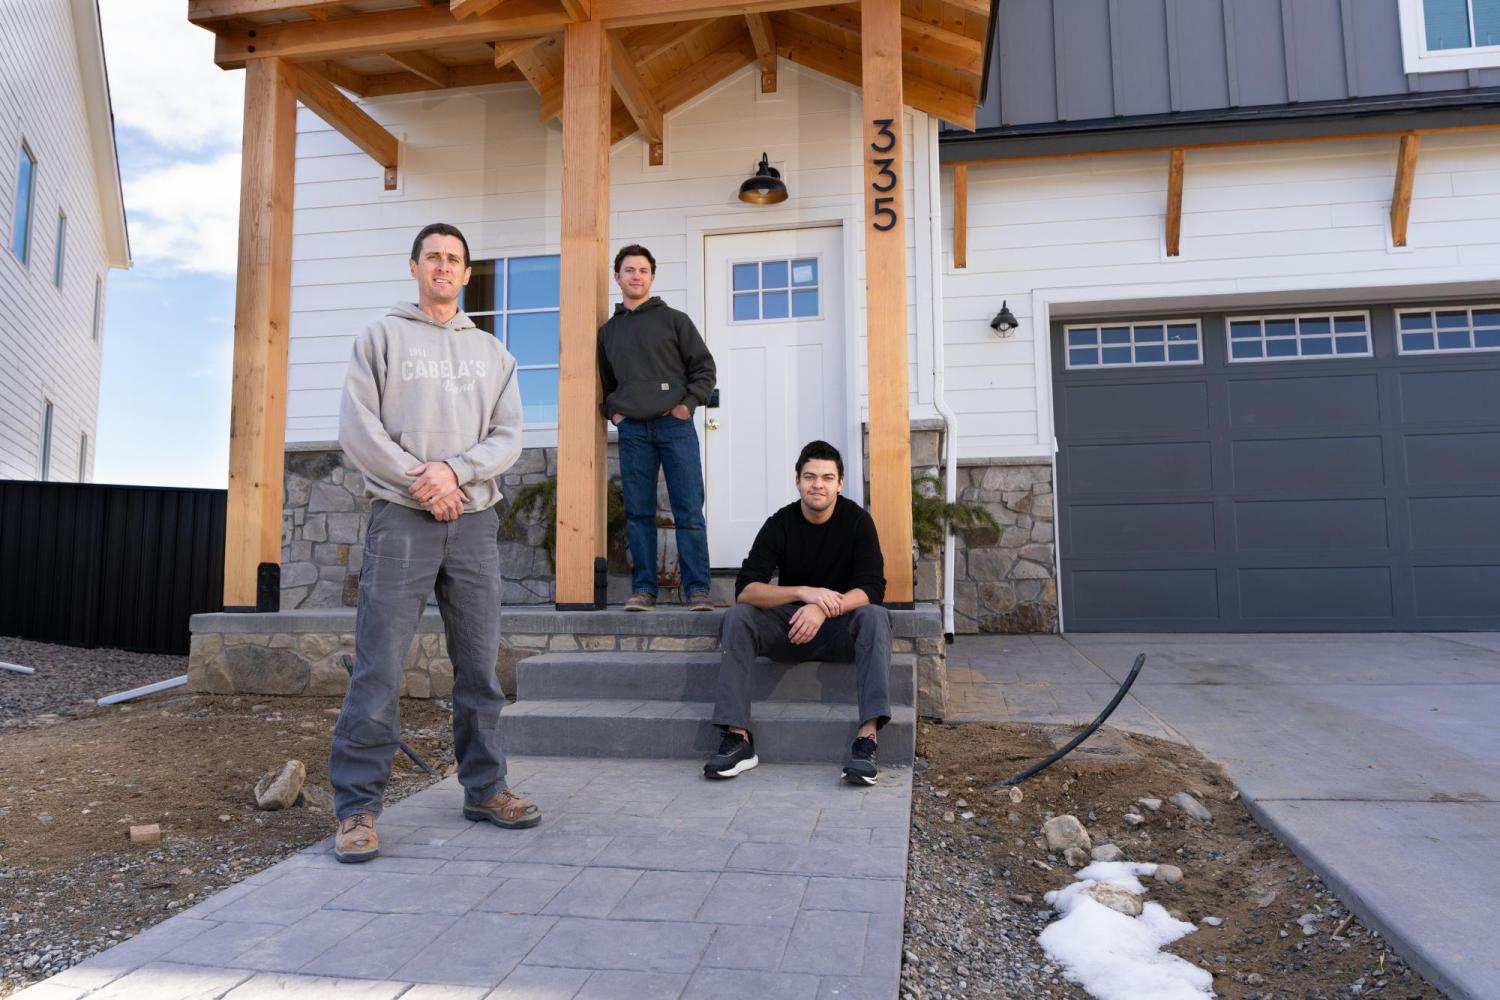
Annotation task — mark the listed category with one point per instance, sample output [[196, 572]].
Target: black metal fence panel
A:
[[120, 566]]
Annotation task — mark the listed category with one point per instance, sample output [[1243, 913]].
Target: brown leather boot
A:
[[356, 840], [505, 809]]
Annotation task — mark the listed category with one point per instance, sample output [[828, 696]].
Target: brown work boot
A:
[[699, 600], [641, 601], [505, 809], [356, 840]]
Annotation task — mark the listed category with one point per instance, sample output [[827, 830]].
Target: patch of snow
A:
[[1115, 957]]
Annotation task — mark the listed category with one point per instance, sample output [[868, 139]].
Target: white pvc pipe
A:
[[939, 402], [17, 668], [141, 692]]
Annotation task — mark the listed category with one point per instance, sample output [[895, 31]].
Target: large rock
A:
[[1117, 899], [1197, 810], [279, 788], [262, 670], [1063, 832]]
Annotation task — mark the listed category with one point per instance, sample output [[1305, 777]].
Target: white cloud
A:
[[187, 215], [163, 80]]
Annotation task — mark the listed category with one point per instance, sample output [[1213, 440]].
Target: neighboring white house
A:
[[62, 218]]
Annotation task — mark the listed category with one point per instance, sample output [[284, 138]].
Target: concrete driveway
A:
[[1376, 757]]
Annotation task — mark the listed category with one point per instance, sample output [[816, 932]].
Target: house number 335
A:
[[883, 217]]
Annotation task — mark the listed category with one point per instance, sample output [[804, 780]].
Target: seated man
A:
[[825, 606]]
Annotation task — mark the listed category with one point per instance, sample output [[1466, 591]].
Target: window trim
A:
[[1416, 58], [58, 259], [1435, 350], [44, 458], [1196, 321], [505, 313], [98, 306], [1331, 315], [817, 286], [24, 254]]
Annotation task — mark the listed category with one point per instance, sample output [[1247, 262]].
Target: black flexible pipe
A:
[[1042, 765]]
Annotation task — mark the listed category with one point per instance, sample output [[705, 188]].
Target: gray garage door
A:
[[1340, 472]]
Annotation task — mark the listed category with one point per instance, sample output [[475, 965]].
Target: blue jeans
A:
[[671, 445]]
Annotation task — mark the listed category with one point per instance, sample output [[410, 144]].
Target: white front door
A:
[[774, 307]]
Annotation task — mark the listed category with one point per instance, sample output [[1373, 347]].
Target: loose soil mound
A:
[[1233, 870]]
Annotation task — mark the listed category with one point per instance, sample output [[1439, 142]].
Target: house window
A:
[[517, 299], [1313, 335], [62, 242], [1442, 331], [1134, 345], [20, 235], [1443, 35], [45, 463], [83, 458], [98, 304], [784, 288]]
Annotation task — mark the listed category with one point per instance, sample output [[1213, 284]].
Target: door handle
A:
[[713, 424]]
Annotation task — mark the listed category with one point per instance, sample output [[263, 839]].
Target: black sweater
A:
[[840, 554], [650, 359]]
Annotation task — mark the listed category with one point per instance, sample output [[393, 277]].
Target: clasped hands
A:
[[818, 605], [436, 489]]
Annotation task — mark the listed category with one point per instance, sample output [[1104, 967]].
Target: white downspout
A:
[[939, 401]]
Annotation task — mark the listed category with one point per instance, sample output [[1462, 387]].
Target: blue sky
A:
[[168, 332]]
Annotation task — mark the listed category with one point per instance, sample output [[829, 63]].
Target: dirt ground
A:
[[71, 882], [1233, 869]]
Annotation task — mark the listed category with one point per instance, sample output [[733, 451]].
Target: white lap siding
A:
[[479, 159], [1296, 222]]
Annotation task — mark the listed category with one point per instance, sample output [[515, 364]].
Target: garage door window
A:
[[1134, 345], [1311, 335], [1440, 331]]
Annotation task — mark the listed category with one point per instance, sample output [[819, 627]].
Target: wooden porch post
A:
[[257, 423], [885, 292], [585, 297]]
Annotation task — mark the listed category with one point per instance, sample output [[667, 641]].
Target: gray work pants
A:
[[408, 555], [861, 636]]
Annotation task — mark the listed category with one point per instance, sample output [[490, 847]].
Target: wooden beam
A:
[[1174, 202], [636, 97], [918, 38], [473, 75], [389, 31], [207, 11], [628, 13], [339, 75], [463, 8], [884, 150], [718, 65], [425, 66], [578, 10], [961, 216], [350, 121], [764, 37], [506, 52], [262, 312], [581, 468], [971, 6], [1406, 172], [650, 41], [843, 64]]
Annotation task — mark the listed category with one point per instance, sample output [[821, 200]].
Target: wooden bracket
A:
[[763, 35], [960, 215], [1406, 173], [1174, 202], [349, 120]]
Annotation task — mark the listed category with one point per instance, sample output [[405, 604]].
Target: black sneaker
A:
[[736, 755], [861, 769]]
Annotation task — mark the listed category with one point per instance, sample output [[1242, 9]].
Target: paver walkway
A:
[[644, 880], [1372, 755]]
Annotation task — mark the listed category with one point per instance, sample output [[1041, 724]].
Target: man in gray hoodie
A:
[[431, 415]]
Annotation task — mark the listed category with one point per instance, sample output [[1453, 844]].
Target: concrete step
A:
[[692, 677], [924, 622], [785, 731]]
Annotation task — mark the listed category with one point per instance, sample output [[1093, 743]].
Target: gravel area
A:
[[68, 679]]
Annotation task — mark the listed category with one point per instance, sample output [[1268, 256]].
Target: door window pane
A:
[[804, 302], [1315, 335], [746, 307], [1148, 343], [775, 289], [805, 272], [746, 277], [773, 305], [773, 274]]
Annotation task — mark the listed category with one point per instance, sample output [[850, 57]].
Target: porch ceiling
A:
[[675, 49]]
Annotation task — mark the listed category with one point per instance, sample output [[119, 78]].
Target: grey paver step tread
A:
[[693, 676], [666, 709]]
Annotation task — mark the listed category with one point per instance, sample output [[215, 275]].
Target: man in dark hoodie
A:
[[656, 371], [431, 416]]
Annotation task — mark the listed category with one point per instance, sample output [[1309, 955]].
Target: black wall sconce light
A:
[[766, 187], [1005, 321]]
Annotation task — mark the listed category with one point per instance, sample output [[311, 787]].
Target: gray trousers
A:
[[861, 636], [408, 555]]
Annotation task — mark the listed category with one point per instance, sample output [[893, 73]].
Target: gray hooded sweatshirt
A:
[[422, 391]]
